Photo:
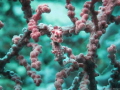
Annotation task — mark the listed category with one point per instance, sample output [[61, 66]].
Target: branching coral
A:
[[92, 21]]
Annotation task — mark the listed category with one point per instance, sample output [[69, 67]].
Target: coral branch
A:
[[1, 24], [32, 25]]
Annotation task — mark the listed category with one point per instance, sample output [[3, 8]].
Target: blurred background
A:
[[13, 18]]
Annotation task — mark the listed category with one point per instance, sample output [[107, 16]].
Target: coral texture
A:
[[92, 21]]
